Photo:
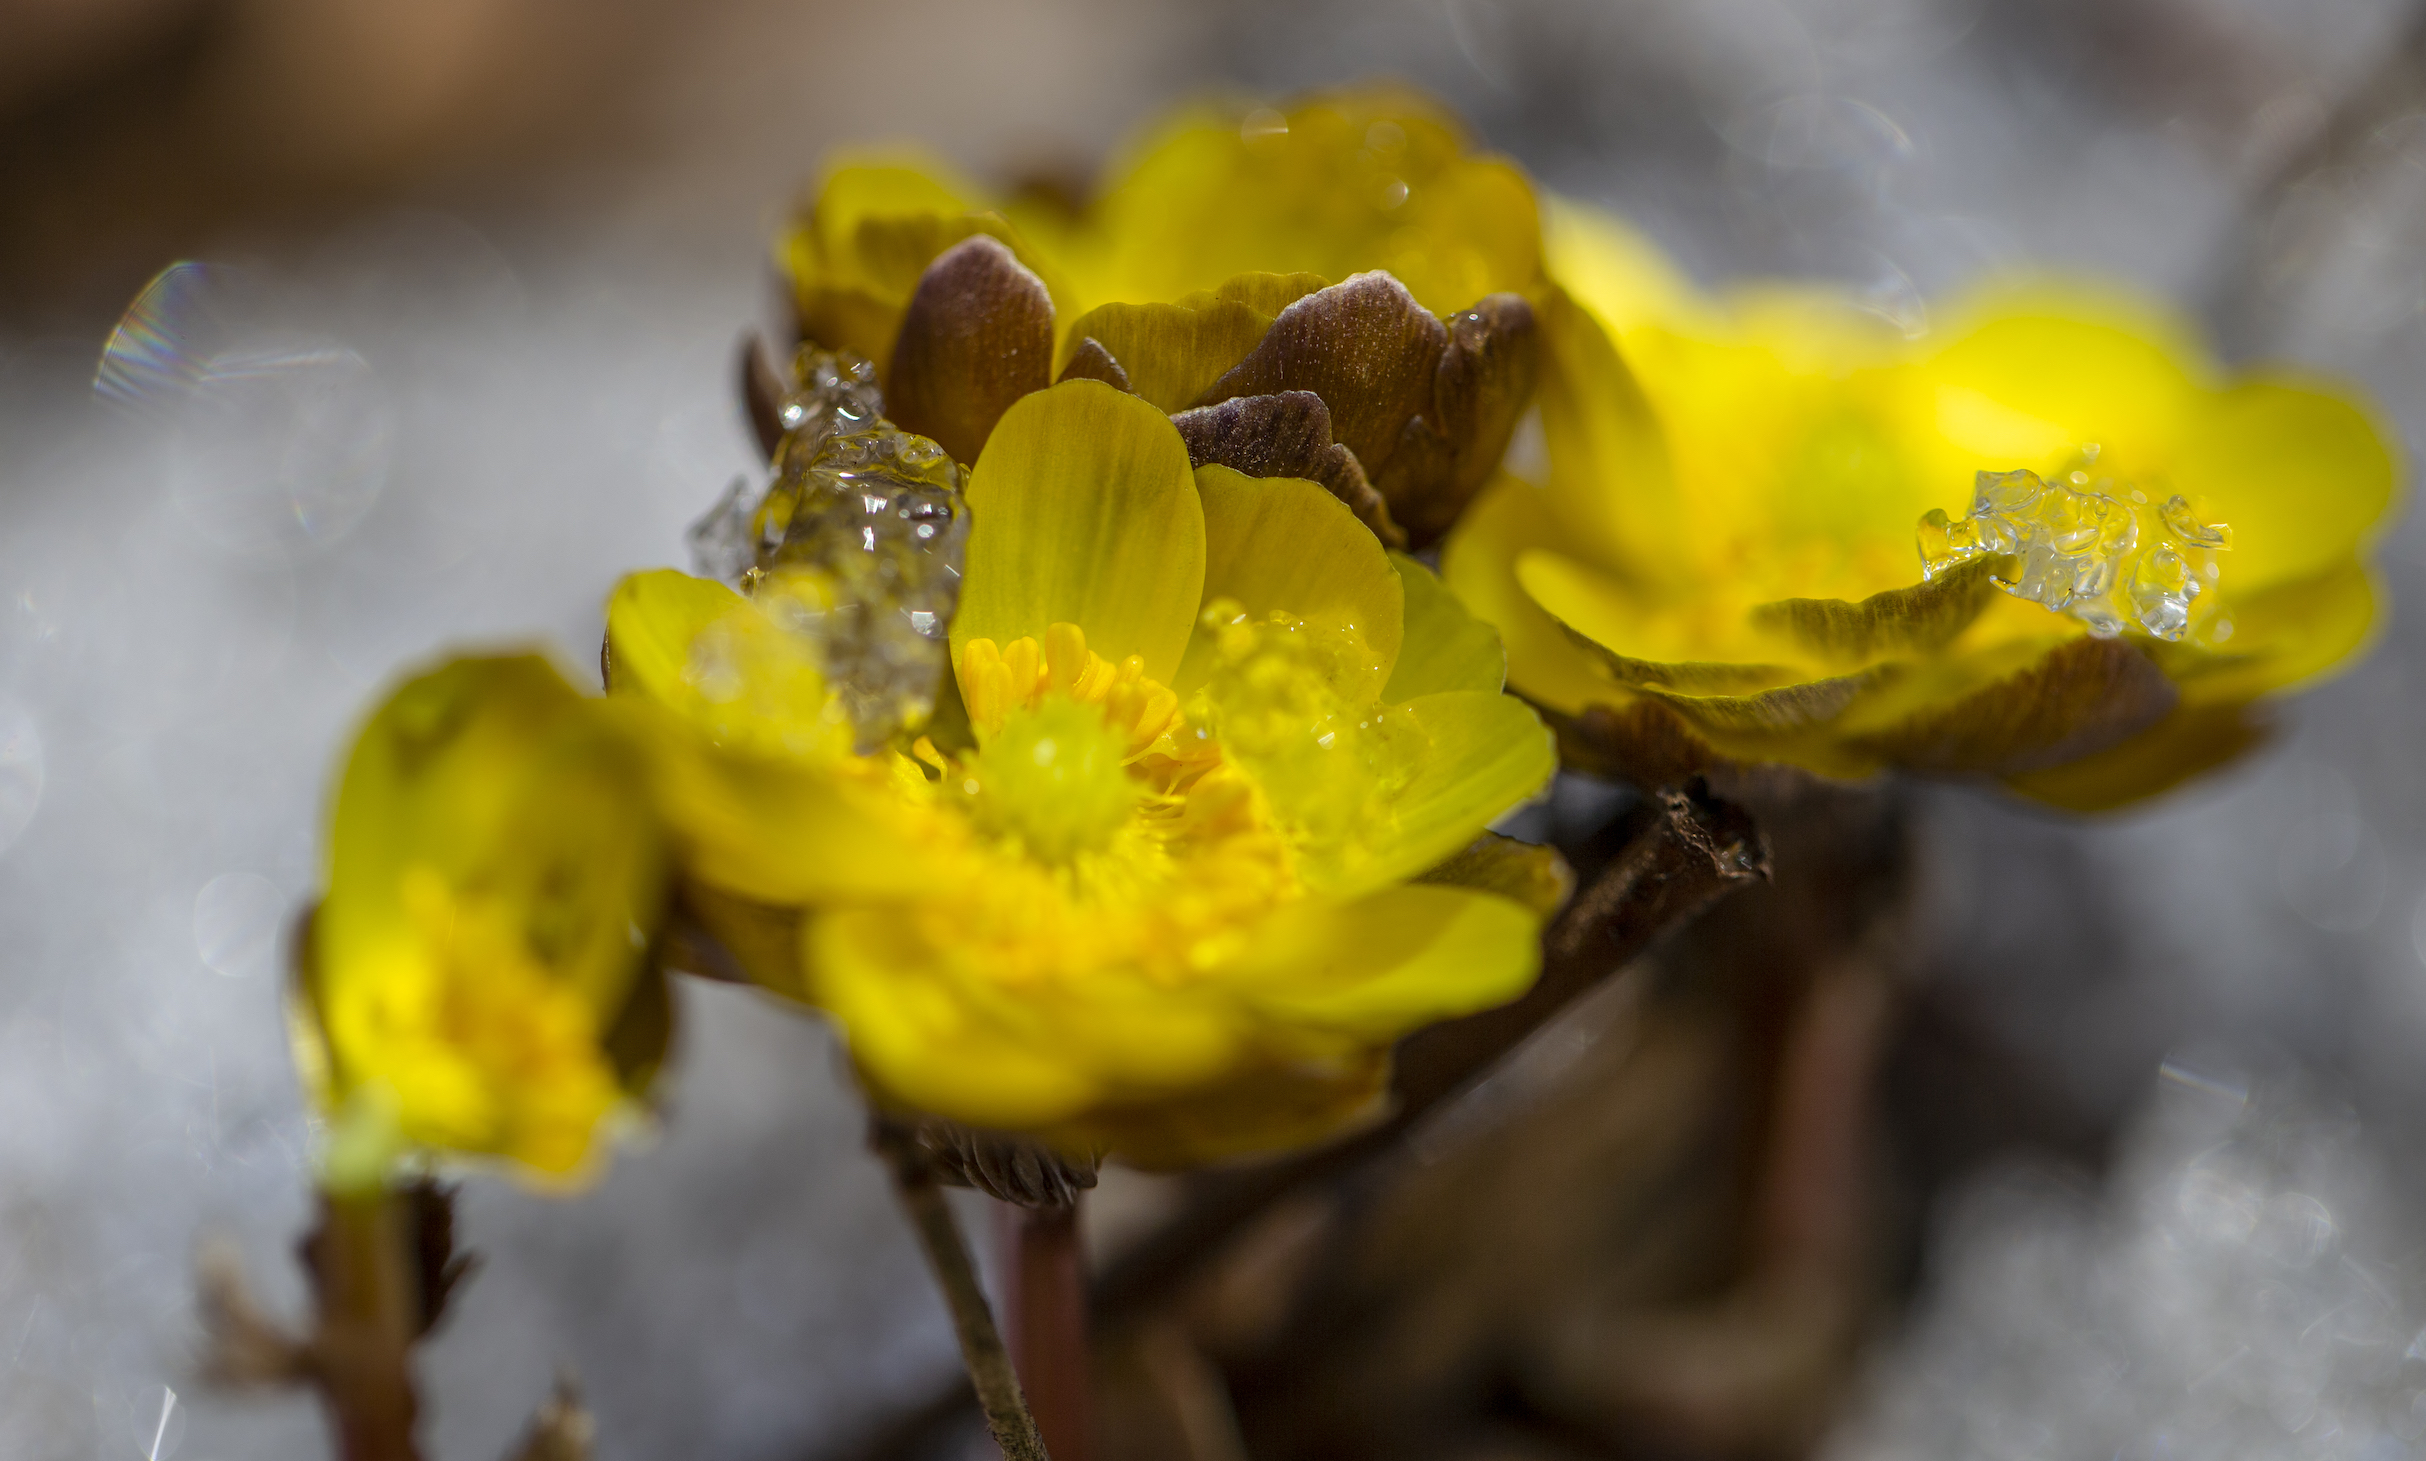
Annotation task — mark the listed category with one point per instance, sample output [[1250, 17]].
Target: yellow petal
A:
[[713, 658], [1083, 510], [1611, 486], [1390, 962], [961, 1044], [1618, 274], [476, 969], [1171, 352], [2050, 368], [1479, 565], [1533, 875], [876, 224], [1488, 754], [1281, 543], [1265, 1107], [1373, 179], [2283, 636], [2301, 474], [782, 832], [652, 620], [1445, 648], [756, 781]]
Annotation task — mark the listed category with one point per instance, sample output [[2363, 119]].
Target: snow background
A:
[[543, 364]]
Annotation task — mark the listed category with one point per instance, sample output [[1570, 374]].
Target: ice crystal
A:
[[2087, 546], [875, 514]]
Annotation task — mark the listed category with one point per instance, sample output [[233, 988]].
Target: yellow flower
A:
[[1352, 249], [1152, 892], [477, 978], [2046, 542]]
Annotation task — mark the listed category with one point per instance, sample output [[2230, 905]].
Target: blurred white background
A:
[[489, 259]]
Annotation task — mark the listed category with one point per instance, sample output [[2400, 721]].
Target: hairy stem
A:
[[361, 1352], [981, 1346]]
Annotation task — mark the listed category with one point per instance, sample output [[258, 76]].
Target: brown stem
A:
[[981, 1347], [1044, 1303], [370, 1314]]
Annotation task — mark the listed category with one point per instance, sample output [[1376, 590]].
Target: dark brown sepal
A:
[[440, 1268], [1091, 361], [2086, 696], [1642, 742], [1479, 392], [762, 393], [1364, 345], [977, 336], [1008, 1168], [1286, 434]]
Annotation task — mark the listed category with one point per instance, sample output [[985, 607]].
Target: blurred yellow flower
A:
[[2045, 542], [1151, 893], [476, 980], [1394, 262]]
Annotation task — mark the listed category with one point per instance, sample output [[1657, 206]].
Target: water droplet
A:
[[1263, 125], [237, 919], [21, 772]]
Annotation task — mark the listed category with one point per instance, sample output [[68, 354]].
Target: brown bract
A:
[[1425, 408], [977, 336], [1286, 434], [1355, 385]]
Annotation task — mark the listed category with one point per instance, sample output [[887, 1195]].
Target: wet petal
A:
[[1083, 510], [1488, 754], [960, 1044], [1279, 543], [2302, 475], [1479, 565], [1445, 648], [1389, 962]]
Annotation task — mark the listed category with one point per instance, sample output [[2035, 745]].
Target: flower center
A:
[[2089, 546], [1052, 777], [1112, 832]]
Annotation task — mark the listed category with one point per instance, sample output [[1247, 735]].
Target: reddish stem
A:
[[362, 1351], [1044, 1306]]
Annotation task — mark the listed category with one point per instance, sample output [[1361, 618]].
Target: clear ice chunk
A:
[[834, 393], [2087, 546], [720, 541], [877, 514]]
